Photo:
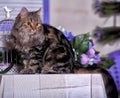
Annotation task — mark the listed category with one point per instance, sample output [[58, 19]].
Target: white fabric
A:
[[52, 86]]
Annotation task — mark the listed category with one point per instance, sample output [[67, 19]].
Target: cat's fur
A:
[[110, 87], [44, 48]]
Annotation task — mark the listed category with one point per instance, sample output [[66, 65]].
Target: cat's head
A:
[[29, 21]]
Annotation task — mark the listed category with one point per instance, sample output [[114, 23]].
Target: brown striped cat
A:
[[44, 48]]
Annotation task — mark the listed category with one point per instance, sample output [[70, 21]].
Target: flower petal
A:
[[84, 59]]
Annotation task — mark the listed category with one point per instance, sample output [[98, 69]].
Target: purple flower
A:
[[68, 35], [90, 57], [97, 58], [91, 52], [84, 59]]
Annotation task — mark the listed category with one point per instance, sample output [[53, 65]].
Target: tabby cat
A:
[[44, 48], [110, 86]]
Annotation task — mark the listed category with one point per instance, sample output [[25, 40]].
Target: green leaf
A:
[[80, 43], [107, 62]]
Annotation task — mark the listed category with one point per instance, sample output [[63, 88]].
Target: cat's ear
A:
[[23, 12], [38, 11]]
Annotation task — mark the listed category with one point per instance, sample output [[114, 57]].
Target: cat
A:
[[43, 48], [110, 86]]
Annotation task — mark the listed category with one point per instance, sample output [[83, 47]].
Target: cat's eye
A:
[[31, 19], [38, 25], [28, 23]]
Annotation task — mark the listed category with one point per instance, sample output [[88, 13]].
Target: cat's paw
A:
[[27, 71]]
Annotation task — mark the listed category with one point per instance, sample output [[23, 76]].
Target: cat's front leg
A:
[[31, 66], [27, 68], [27, 71]]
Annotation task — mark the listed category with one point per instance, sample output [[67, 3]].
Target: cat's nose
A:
[[33, 27]]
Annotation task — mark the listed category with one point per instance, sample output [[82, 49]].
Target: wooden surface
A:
[[52, 86]]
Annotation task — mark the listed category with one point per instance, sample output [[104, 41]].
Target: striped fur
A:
[[44, 48]]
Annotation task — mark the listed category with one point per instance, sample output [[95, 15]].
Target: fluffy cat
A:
[[44, 48]]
